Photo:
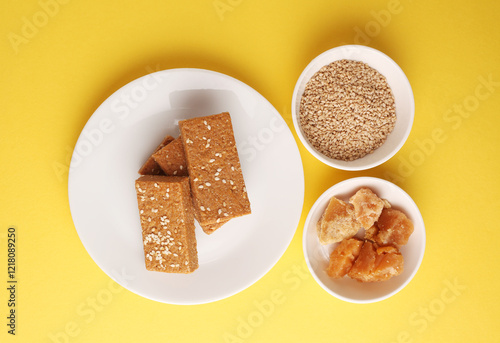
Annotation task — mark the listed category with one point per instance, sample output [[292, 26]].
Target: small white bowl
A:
[[401, 89], [317, 255]]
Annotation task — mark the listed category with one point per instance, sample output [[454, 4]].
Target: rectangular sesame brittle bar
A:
[[217, 184], [150, 167], [167, 222], [171, 158]]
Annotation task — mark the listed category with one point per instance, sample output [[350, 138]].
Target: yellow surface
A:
[[60, 60]]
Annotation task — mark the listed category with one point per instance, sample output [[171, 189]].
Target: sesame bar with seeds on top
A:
[[150, 167], [167, 221], [217, 184], [171, 158]]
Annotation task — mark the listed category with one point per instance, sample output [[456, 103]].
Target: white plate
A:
[[317, 255], [124, 131]]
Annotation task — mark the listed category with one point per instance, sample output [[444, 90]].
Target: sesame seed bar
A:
[[167, 222], [171, 158], [150, 167], [217, 184]]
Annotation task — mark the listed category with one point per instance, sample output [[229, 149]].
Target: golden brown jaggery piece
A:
[[367, 206], [150, 167], [343, 256], [171, 159], [389, 263], [167, 221], [394, 227], [217, 184], [376, 263], [337, 222], [387, 204], [371, 233]]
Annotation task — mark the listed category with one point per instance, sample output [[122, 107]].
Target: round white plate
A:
[[125, 130], [318, 256]]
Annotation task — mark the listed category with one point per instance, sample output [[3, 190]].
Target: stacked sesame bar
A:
[[171, 158], [150, 167], [167, 222], [213, 193], [217, 184]]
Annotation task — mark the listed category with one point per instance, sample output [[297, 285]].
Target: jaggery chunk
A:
[[167, 221], [337, 222], [171, 158], [217, 184], [394, 227], [371, 233], [376, 263], [343, 256], [150, 167], [367, 207]]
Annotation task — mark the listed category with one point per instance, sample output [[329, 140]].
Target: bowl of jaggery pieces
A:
[[364, 240], [353, 107]]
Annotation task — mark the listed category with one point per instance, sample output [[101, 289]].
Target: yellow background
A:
[[78, 53]]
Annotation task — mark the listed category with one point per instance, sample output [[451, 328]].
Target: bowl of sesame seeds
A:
[[353, 107]]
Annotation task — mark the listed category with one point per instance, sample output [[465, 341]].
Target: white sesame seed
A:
[[219, 169], [200, 186], [154, 210], [205, 122], [212, 160], [209, 127], [156, 185], [181, 167], [216, 179], [223, 180], [208, 184], [202, 208], [152, 198], [219, 211], [141, 211], [232, 168], [175, 172], [196, 179]]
